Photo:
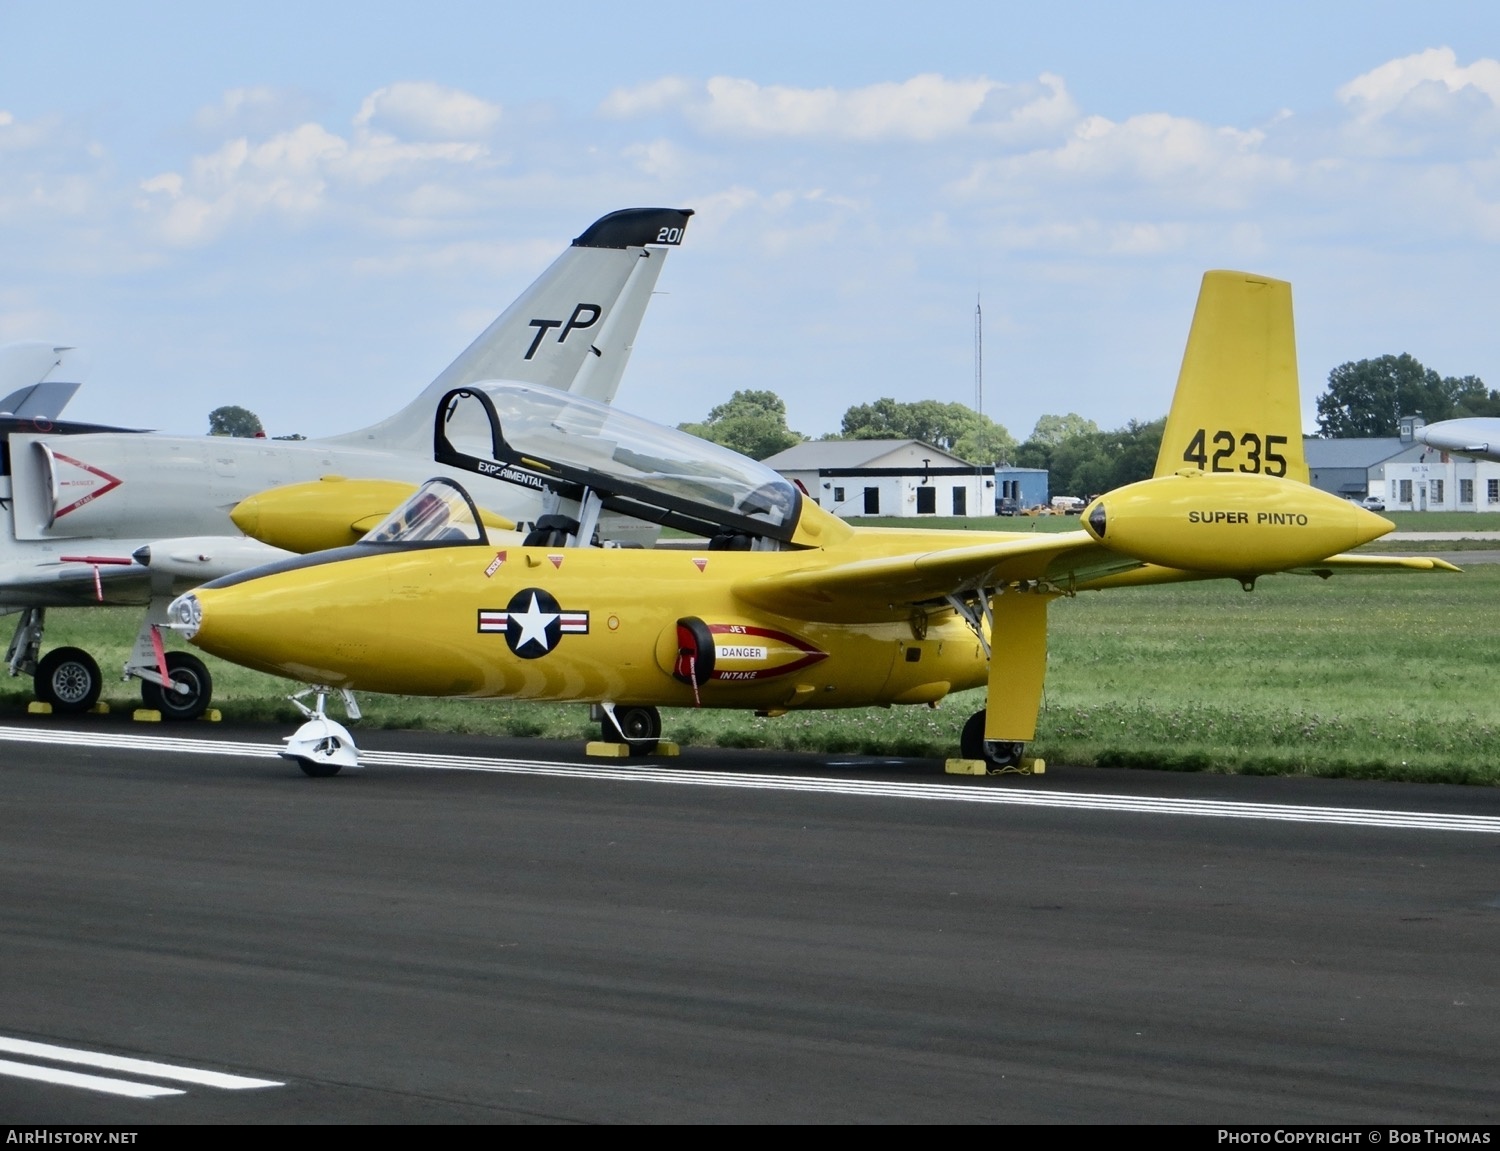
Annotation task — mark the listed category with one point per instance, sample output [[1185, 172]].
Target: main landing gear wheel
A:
[[185, 669], [995, 752], [68, 679], [641, 725]]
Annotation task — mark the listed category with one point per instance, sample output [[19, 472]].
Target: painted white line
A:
[[87, 1082], [959, 793], [148, 1067], [122, 741], [647, 772]]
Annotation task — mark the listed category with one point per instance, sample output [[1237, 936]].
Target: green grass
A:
[[1369, 676], [1444, 521]]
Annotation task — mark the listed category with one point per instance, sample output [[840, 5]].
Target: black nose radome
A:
[[1096, 521]]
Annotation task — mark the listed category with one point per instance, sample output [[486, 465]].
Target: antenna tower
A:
[[978, 357]]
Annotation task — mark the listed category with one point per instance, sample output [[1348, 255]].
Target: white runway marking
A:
[[102, 1083], [644, 771], [124, 1064]]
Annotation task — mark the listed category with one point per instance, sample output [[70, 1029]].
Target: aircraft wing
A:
[[74, 581], [1371, 563], [879, 586]]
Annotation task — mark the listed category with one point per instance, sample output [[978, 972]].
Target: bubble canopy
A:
[[439, 512], [545, 439]]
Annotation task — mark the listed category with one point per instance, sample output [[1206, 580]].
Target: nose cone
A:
[[315, 623], [1369, 526], [246, 516], [401, 623], [1096, 520]]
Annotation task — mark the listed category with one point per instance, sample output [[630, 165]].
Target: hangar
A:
[[1404, 472], [854, 478]]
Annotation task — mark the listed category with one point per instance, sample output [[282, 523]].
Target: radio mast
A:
[[978, 357]]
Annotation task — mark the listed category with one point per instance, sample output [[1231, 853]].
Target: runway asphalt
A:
[[473, 930]]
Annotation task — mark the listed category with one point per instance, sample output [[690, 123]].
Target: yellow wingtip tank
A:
[[331, 512], [1229, 524], [1237, 407]]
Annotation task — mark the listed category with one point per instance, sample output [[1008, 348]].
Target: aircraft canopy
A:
[[439, 512], [564, 442]]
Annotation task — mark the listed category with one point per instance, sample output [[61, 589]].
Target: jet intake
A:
[[1229, 524]]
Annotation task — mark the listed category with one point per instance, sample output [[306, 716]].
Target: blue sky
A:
[[309, 209]]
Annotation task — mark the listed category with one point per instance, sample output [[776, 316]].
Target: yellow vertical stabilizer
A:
[[1237, 407]]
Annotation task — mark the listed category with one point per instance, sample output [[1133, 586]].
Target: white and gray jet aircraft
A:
[[1477, 436], [92, 515]]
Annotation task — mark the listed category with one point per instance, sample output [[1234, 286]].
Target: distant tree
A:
[[752, 423], [1054, 430], [1089, 462], [986, 443], [1369, 397], [956, 428], [233, 420]]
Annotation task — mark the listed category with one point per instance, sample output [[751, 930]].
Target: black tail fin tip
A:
[[636, 228]]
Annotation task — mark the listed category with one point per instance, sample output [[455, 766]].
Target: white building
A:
[[1404, 472], [1441, 483], [853, 478]]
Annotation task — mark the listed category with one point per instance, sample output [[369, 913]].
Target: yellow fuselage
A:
[[434, 621]]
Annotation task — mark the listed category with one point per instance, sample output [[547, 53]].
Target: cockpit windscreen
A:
[[439, 512]]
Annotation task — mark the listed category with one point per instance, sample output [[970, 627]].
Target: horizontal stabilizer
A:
[[37, 380], [1346, 563]]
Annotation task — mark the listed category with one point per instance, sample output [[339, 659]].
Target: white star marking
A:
[[533, 623]]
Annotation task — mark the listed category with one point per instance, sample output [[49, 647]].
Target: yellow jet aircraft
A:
[[786, 607]]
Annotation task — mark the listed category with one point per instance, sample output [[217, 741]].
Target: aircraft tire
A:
[[995, 752], [174, 705], [67, 678], [641, 724], [317, 768]]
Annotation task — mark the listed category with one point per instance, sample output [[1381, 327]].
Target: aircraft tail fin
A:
[[1237, 407], [572, 329], [37, 380]]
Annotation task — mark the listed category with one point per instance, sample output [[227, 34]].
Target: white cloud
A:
[[294, 174], [16, 135], [1151, 162], [1424, 104], [923, 108], [428, 111], [1383, 89], [655, 96]]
